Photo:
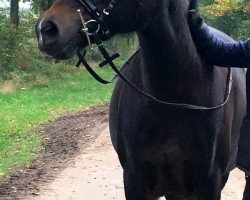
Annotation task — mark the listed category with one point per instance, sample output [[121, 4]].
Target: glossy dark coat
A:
[[165, 151]]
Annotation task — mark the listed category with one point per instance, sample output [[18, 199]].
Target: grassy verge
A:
[[24, 109]]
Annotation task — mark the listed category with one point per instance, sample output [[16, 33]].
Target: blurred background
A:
[[21, 63], [35, 89]]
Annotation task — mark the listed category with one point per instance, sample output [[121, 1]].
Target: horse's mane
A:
[[193, 5]]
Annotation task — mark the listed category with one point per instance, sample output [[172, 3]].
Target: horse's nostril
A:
[[49, 29], [49, 32]]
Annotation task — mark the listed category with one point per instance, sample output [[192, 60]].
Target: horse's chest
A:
[[167, 138]]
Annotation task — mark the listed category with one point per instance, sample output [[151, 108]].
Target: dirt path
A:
[[97, 174], [90, 170]]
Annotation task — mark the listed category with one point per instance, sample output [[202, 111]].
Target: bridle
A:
[[102, 32], [98, 17]]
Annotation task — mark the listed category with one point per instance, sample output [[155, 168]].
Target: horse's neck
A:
[[168, 53]]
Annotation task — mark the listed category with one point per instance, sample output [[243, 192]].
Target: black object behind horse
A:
[[164, 151]]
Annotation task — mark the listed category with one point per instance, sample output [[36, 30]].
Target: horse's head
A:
[[59, 28]]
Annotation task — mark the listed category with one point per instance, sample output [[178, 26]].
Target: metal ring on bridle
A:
[[99, 16], [105, 11], [93, 32]]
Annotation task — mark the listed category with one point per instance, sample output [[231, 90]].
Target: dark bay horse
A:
[[164, 150]]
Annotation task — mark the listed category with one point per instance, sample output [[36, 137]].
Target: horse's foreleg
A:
[[246, 195], [211, 187], [224, 180], [135, 189], [174, 197]]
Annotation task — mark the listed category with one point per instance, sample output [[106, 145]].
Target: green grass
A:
[[23, 110]]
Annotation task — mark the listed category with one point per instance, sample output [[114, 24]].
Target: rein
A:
[[102, 32]]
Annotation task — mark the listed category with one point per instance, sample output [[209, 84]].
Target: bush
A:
[[41, 81], [234, 21], [21, 61]]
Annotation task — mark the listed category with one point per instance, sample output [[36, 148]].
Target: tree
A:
[[14, 13], [222, 7], [230, 16]]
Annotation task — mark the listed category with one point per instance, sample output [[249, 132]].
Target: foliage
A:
[[23, 64], [230, 16], [8, 43], [18, 51], [23, 110], [221, 7], [34, 89], [47, 88]]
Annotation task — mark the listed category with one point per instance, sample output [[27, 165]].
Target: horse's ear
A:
[[193, 5]]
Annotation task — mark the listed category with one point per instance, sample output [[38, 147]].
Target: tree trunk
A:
[[14, 12]]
